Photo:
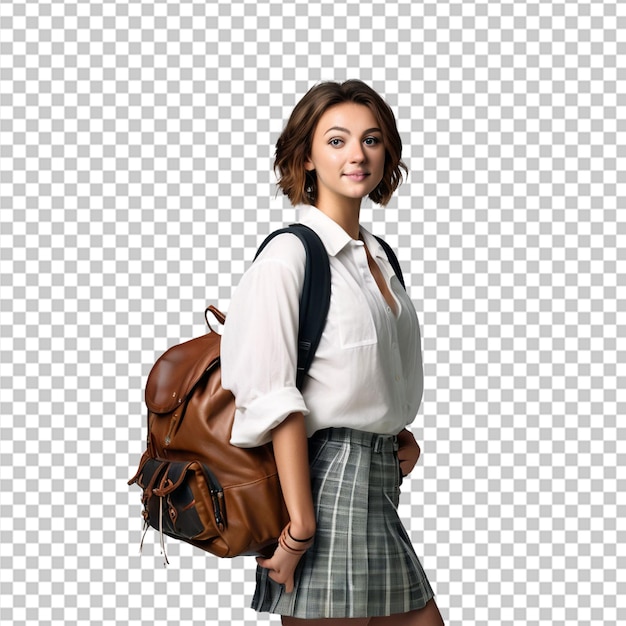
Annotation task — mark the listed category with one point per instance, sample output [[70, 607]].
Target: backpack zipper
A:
[[217, 497]]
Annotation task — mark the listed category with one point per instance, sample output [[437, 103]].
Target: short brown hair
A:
[[293, 147]]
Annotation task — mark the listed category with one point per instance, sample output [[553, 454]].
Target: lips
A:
[[357, 176]]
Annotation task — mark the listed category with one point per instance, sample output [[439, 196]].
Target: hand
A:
[[282, 566], [408, 451]]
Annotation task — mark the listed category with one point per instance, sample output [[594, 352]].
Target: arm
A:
[[259, 342], [408, 451], [292, 460]]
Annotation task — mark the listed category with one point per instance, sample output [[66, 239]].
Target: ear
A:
[[308, 165]]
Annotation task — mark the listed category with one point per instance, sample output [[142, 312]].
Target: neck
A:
[[345, 213]]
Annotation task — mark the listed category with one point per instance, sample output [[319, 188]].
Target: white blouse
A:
[[367, 372]]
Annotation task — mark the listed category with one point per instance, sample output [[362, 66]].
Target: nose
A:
[[357, 154]]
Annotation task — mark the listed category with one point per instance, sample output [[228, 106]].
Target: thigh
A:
[[427, 616]]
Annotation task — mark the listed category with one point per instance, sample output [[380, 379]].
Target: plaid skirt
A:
[[362, 563]]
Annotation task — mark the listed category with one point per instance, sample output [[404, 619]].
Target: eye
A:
[[371, 141], [335, 142]]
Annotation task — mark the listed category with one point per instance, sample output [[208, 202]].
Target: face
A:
[[347, 154]]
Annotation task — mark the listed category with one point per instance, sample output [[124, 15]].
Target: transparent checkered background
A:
[[136, 143]]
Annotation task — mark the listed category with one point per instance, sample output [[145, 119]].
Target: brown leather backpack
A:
[[196, 486]]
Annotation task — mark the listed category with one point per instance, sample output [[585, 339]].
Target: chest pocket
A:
[[355, 323]]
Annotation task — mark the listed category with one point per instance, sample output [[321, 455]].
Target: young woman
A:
[[341, 445]]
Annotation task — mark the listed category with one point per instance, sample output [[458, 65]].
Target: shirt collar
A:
[[374, 247], [334, 238]]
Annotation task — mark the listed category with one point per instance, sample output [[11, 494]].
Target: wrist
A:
[[294, 546], [297, 541], [302, 531]]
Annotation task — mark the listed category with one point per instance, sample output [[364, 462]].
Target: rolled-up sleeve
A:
[[259, 342]]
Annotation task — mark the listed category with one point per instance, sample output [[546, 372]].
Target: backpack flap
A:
[[177, 371]]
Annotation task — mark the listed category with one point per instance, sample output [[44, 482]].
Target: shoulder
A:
[[276, 273], [281, 262], [285, 248]]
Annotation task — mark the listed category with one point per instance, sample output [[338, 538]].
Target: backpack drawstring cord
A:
[[166, 562]]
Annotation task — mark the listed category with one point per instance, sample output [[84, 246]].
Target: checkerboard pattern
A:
[[136, 143]]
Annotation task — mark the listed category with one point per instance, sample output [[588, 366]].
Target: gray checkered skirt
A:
[[362, 563]]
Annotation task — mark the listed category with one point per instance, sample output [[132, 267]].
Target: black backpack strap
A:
[[393, 259], [315, 297]]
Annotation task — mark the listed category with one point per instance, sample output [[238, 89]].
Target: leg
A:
[[427, 616], [356, 621]]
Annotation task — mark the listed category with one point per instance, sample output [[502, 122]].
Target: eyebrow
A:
[[345, 130]]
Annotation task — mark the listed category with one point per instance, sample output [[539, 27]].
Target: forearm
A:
[[292, 460]]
